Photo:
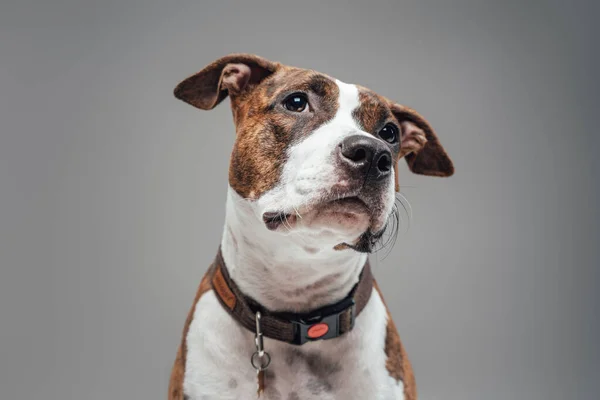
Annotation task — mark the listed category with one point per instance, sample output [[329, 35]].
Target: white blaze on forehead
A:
[[348, 101]]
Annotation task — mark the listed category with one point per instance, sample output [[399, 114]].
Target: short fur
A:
[[289, 163]]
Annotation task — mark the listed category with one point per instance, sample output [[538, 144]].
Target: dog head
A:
[[315, 156]]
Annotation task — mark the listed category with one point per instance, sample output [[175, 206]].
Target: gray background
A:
[[112, 192]]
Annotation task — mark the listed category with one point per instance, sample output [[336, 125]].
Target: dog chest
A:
[[350, 367]]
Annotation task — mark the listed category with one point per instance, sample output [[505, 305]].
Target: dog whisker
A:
[[391, 230], [403, 200], [297, 212], [285, 222], [390, 233]]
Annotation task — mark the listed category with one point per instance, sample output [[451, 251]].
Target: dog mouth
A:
[[345, 209], [273, 220]]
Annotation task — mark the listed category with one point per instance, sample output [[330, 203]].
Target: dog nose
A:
[[366, 154]]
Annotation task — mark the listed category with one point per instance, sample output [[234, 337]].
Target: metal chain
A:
[[260, 360]]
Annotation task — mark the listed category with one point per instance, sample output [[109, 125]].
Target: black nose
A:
[[366, 154]]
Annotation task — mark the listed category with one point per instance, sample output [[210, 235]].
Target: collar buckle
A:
[[324, 323]]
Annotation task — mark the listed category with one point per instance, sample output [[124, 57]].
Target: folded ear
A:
[[420, 145], [231, 74]]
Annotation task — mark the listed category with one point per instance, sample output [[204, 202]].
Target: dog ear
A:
[[420, 145], [231, 74]]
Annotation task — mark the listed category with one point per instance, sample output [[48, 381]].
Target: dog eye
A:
[[297, 102], [389, 133]]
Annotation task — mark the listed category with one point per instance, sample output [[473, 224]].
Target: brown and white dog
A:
[[312, 183]]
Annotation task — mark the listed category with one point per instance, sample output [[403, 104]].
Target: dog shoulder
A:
[[397, 363], [178, 371]]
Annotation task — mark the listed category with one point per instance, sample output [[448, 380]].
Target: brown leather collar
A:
[[325, 323]]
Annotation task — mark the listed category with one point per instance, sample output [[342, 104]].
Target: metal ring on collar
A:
[[260, 363]]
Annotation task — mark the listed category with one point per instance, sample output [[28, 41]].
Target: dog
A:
[[289, 308]]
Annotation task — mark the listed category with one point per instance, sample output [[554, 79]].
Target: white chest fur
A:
[[349, 367]]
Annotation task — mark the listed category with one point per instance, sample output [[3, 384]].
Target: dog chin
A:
[[346, 216], [349, 221]]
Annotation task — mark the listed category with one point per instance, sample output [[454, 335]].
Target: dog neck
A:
[[284, 272]]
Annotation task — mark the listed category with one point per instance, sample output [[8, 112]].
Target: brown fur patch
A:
[[373, 112], [265, 129], [178, 371], [397, 364]]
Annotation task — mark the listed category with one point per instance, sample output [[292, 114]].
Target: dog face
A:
[[314, 155]]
